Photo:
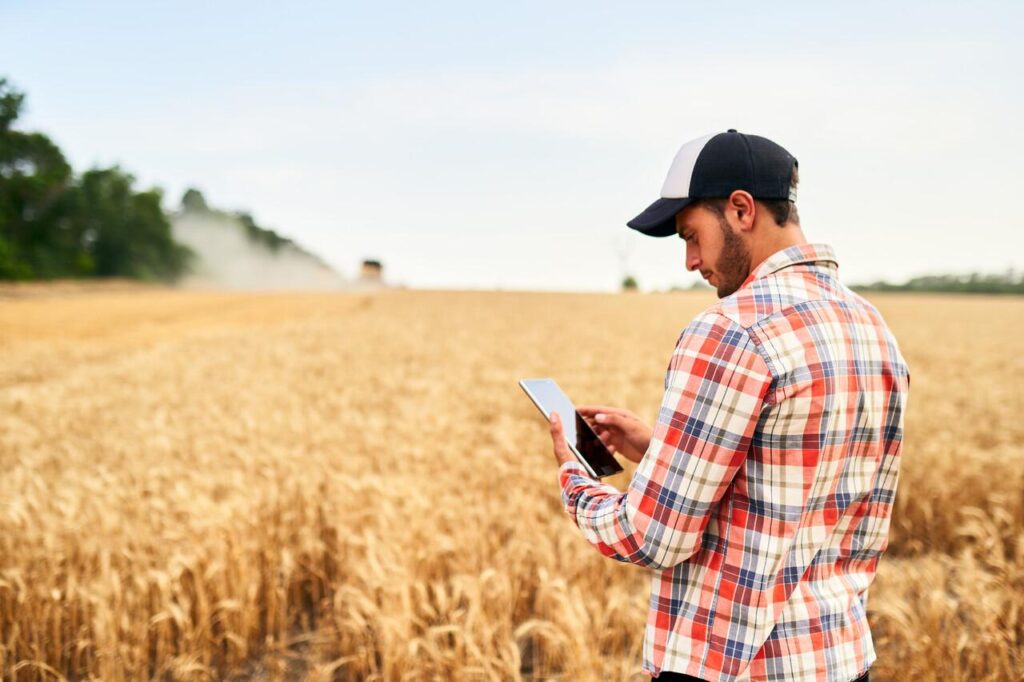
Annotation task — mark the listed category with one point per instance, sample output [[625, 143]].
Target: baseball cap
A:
[[714, 166]]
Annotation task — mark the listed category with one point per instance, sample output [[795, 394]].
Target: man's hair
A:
[[782, 210]]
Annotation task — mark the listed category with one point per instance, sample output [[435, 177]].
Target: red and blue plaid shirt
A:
[[763, 503]]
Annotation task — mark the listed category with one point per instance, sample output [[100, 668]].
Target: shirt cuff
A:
[[571, 469]]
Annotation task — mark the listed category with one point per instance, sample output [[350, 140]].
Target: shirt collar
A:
[[821, 254]]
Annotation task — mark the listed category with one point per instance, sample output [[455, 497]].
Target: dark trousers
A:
[[669, 676]]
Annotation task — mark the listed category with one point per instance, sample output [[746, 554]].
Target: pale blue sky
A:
[[470, 145]]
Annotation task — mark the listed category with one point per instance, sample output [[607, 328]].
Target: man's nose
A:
[[692, 261]]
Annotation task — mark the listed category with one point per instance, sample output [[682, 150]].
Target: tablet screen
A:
[[548, 397]]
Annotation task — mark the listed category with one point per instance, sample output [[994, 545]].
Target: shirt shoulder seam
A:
[[754, 339]]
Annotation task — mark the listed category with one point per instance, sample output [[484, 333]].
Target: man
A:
[[762, 496]]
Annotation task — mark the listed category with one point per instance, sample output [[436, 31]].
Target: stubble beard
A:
[[733, 266]]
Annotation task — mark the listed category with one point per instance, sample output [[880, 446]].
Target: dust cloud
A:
[[226, 258]]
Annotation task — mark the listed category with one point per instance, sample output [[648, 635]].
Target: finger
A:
[[555, 423], [558, 435], [594, 410], [606, 430], [610, 419]]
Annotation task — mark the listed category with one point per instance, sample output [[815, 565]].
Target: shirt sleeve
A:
[[714, 393]]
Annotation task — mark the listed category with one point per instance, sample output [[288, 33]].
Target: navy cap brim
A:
[[659, 219]]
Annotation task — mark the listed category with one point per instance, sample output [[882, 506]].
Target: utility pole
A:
[[623, 245]]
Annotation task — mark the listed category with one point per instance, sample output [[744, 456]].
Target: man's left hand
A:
[[562, 452]]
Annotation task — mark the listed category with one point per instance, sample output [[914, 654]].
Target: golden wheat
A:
[[342, 487]]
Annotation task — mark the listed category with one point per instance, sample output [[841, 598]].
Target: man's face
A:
[[713, 248]]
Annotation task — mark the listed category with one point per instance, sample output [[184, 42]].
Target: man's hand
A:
[[562, 452], [621, 431]]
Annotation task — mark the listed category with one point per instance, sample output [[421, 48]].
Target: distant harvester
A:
[[372, 272]]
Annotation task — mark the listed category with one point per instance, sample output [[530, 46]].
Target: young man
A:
[[762, 496]]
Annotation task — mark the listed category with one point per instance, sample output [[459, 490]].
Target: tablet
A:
[[582, 440]]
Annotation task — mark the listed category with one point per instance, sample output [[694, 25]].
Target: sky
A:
[[487, 145]]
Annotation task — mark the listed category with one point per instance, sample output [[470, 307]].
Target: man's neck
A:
[[780, 238]]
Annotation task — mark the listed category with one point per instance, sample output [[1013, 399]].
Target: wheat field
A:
[[352, 487]]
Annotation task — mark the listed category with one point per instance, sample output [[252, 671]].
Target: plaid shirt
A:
[[763, 502]]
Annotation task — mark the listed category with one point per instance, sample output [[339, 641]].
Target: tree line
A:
[[58, 224], [55, 223], [1010, 282], [194, 202]]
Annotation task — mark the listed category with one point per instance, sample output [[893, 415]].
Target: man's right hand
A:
[[620, 430]]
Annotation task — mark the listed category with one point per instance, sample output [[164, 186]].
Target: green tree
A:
[[10, 104], [33, 178], [54, 225], [193, 201], [125, 232]]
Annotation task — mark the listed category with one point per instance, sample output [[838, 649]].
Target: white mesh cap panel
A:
[[677, 183]]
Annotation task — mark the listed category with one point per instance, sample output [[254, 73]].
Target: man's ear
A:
[[740, 206]]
